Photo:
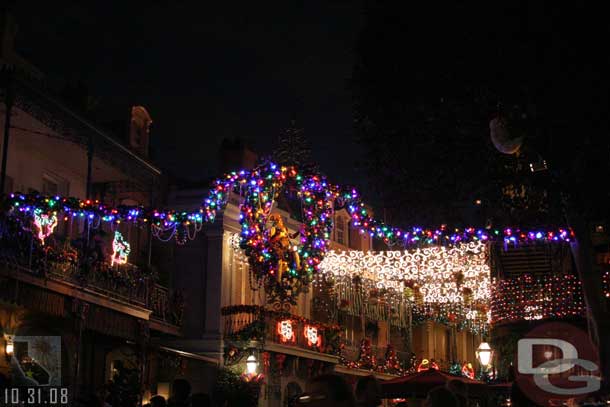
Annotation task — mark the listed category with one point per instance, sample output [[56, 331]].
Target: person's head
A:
[[460, 391], [518, 398], [441, 397], [200, 400], [157, 401], [368, 391], [457, 387], [181, 389], [327, 390]]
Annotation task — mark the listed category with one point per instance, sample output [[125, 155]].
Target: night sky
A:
[[206, 72]]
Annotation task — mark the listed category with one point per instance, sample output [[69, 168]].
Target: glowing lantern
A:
[[484, 353], [10, 346], [251, 365]]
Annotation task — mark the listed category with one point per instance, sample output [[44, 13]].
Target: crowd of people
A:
[[331, 390]]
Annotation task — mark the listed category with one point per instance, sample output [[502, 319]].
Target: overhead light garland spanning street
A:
[[283, 265]]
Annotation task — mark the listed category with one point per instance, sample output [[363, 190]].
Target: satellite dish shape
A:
[[501, 137]]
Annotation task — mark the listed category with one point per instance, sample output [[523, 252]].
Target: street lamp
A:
[[484, 354], [251, 365], [10, 346]]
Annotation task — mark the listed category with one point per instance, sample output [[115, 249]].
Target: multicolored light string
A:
[[528, 297], [285, 272]]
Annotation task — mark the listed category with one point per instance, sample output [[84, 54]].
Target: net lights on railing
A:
[[531, 298]]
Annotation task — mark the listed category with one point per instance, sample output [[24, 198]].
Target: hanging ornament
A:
[[120, 249], [44, 223]]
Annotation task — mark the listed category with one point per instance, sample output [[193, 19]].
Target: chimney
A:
[[236, 155], [139, 130]]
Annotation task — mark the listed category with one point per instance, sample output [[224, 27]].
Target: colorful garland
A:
[[281, 266], [284, 270]]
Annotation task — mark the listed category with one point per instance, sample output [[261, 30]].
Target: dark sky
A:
[[206, 72]]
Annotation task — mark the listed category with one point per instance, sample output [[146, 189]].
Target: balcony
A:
[[280, 331], [63, 266]]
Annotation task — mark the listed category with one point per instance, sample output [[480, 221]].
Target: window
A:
[[54, 185], [48, 187], [340, 231]]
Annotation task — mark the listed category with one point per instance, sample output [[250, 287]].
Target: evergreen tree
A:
[[293, 149]]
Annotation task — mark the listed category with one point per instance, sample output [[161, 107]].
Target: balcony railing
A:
[[166, 307], [68, 262], [254, 323], [350, 357]]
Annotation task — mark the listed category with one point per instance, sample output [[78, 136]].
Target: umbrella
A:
[[419, 384]]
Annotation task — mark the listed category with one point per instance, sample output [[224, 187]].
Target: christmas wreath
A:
[[284, 262]]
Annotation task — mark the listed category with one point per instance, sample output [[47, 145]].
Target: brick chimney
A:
[[139, 130], [235, 155]]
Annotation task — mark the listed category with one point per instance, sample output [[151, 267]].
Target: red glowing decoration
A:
[[314, 338], [285, 331], [468, 370], [426, 365]]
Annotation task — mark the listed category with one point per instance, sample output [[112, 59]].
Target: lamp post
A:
[[9, 348], [251, 365], [484, 355]]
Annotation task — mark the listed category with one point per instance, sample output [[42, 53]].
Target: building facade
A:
[[73, 312]]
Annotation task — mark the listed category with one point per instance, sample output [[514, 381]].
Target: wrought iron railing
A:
[[245, 323], [166, 306], [351, 357], [68, 262]]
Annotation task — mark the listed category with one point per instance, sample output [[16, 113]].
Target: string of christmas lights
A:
[[457, 274], [95, 212], [450, 285], [529, 297], [285, 267]]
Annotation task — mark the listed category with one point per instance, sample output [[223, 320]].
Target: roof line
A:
[[92, 127], [190, 355]]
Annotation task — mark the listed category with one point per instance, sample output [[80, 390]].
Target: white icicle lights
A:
[[443, 275]]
